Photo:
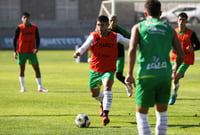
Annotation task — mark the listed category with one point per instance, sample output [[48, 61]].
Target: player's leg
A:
[[176, 84], [119, 69], [22, 57], [142, 120], [145, 98], [161, 119], [21, 78], [107, 78], [162, 99], [119, 74], [35, 65], [95, 85]]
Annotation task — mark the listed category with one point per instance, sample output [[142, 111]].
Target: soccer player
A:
[[113, 25], [154, 73], [103, 46], [25, 46], [189, 43]]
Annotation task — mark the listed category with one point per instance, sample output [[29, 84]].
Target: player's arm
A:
[[180, 54], [132, 55], [195, 41], [37, 40], [125, 33], [16, 36], [84, 47], [122, 40]]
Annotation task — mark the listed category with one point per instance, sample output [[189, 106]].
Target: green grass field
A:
[[53, 113]]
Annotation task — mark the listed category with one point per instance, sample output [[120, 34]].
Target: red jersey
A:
[[104, 52], [185, 40], [26, 40]]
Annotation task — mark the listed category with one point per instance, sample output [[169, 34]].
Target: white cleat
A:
[[129, 91], [23, 90], [43, 90]]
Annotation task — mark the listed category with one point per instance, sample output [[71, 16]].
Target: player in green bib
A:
[[154, 73]]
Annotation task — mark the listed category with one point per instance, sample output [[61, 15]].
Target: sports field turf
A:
[[53, 113]]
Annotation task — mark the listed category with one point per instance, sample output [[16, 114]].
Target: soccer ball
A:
[[82, 120]]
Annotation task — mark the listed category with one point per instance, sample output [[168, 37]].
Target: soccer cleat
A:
[[129, 91], [101, 111], [173, 99], [23, 90], [42, 90], [105, 120]]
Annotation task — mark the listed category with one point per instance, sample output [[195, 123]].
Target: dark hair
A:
[[184, 15], [153, 7], [26, 14], [103, 18]]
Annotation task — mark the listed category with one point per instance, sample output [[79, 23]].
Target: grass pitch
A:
[[53, 113]]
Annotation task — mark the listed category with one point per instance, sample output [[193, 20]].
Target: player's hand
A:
[[129, 80], [76, 54], [35, 51], [15, 55], [189, 48]]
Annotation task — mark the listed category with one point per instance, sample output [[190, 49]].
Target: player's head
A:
[[182, 19], [25, 18], [102, 18], [183, 15], [153, 8], [102, 24], [26, 14], [113, 21]]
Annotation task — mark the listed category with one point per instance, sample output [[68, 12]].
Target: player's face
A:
[[102, 27], [25, 20], [113, 22], [181, 21]]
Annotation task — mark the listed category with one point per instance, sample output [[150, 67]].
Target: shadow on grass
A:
[[188, 98], [184, 126], [50, 115]]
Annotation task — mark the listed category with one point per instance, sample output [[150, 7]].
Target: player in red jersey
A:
[[103, 46], [25, 46], [189, 44]]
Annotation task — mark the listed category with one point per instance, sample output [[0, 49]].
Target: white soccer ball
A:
[[82, 120]]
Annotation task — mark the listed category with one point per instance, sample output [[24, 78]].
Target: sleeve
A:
[[37, 35], [86, 44], [122, 40], [17, 31], [195, 41]]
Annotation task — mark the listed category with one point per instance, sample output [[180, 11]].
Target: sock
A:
[[39, 82], [161, 123], [107, 100], [100, 97], [142, 124], [21, 80], [105, 113], [175, 88]]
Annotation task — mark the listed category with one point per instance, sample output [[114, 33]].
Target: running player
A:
[[25, 46], [154, 73], [189, 43], [103, 46], [113, 25]]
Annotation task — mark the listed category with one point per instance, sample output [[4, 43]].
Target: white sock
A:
[[107, 100], [161, 123], [21, 80], [142, 124], [175, 88], [39, 83], [99, 97]]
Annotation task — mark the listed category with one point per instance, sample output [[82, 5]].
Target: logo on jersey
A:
[[156, 64]]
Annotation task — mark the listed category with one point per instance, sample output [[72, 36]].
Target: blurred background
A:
[[63, 24]]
